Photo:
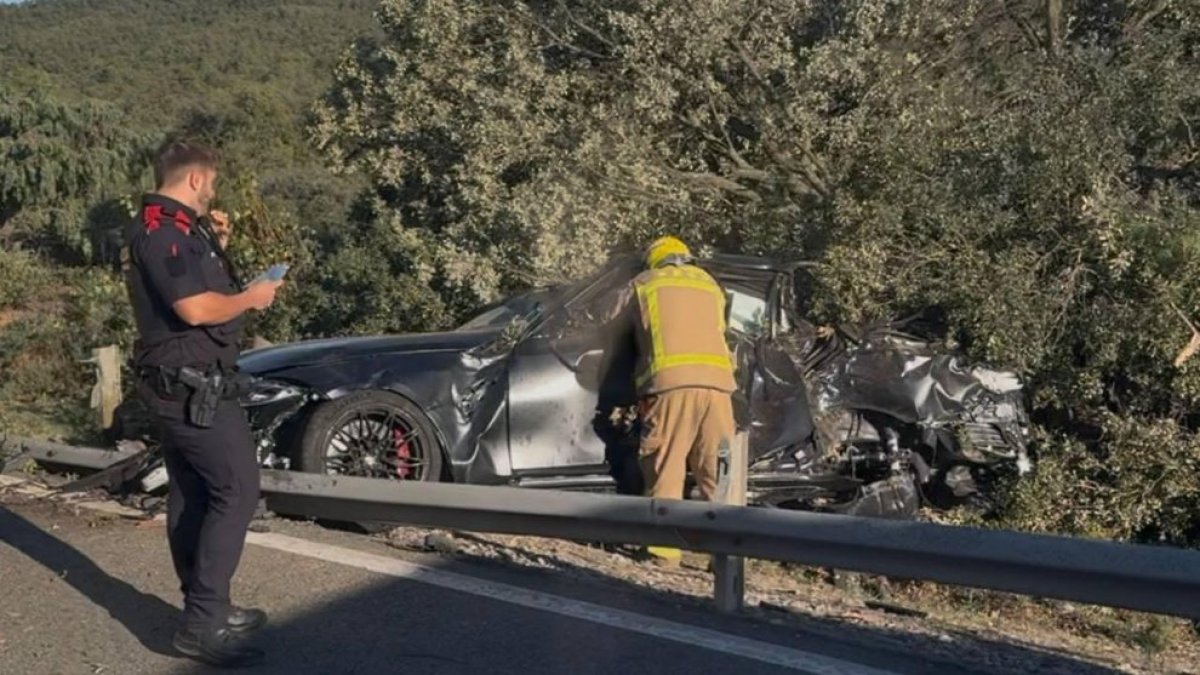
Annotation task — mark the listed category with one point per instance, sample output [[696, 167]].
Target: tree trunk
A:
[[1054, 9]]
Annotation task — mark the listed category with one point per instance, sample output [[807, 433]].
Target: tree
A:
[[1028, 170], [62, 166]]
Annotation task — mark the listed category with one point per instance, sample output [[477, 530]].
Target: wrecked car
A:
[[534, 392]]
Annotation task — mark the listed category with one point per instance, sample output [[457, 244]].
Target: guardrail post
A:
[[106, 396], [729, 571]]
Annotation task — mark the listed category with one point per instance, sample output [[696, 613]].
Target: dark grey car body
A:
[[535, 392]]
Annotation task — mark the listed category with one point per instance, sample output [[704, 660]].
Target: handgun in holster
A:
[[205, 397]]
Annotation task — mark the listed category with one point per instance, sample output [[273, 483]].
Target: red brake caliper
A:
[[403, 454]]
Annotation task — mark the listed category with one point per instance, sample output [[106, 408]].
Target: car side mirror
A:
[[587, 369]]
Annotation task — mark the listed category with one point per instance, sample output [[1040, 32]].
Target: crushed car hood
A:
[[913, 382], [314, 352]]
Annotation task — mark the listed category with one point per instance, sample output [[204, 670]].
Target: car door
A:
[[556, 380], [771, 383]]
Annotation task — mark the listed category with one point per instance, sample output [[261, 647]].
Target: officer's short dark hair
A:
[[175, 156]]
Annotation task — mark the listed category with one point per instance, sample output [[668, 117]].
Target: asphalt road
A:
[[79, 594]]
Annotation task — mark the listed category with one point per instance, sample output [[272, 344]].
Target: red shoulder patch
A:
[[151, 216], [182, 222]]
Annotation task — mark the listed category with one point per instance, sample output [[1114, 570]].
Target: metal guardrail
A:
[[48, 452], [1147, 578]]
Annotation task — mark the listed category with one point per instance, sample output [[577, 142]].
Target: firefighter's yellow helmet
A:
[[663, 248]]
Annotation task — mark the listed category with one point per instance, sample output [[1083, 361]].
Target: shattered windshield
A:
[[526, 306]]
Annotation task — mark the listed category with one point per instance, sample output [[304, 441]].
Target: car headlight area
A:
[[268, 392]]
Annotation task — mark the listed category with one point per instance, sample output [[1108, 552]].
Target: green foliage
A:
[[1142, 482], [98, 312], [1157, 637], [61, 165], [240, 76], [239, 63], [20, 271], [1039, 192], [373, 282], [42, 380], [477, 146]]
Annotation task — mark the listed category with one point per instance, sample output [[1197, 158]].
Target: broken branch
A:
[[1193, 345], [712, 181]]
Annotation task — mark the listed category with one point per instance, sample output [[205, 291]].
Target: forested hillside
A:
[[226, 67]]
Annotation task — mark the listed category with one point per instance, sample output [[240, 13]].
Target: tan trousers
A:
[[682, 429]]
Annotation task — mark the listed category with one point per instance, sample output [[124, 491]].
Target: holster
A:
[[205, 390], [205, 396]]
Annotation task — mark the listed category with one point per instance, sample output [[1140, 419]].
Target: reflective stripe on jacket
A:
[[681, 331]]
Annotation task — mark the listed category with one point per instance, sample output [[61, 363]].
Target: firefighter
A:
[[684, 374]]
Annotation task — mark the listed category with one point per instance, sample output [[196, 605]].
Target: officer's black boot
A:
[[245, 620], [219, 647]]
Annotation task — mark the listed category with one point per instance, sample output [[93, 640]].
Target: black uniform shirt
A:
[[170, 256]]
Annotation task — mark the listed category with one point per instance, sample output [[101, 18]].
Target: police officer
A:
[[189, 307]]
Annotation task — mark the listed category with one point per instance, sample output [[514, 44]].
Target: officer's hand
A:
[[221, 226], [262, 294]]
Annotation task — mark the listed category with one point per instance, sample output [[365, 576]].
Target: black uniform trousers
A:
[[214, 489]]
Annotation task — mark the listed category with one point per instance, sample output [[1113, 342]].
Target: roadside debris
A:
[[108, 508], [29, 488], [896, 609], [440, 542], [53, 454], [133, 472], [136, 457], [117, 482]]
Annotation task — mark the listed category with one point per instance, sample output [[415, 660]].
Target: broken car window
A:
[[747, 313]]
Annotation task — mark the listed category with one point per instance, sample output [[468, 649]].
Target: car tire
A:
[[360, 420], [333, 417]]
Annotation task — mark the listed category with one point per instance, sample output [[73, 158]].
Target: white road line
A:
[[765, 652]]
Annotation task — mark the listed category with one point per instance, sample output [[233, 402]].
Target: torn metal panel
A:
[[137, 457], [910, 381], [270, 406]]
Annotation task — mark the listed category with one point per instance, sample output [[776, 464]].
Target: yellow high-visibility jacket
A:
[[681, 331]]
